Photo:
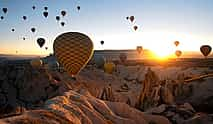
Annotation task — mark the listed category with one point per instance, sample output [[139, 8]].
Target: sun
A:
[[162, 53]]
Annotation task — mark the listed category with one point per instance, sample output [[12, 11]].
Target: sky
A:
[[160, 23]]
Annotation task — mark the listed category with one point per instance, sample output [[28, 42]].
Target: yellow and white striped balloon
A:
[[73, 50]]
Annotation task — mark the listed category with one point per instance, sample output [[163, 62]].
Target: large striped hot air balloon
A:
[[73, 50]]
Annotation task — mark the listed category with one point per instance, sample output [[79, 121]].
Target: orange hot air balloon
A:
[[132, 18], [178, 53], [139, 49], [36, 63], [176, 43], [205, 50], [73, 50], [123, 57]]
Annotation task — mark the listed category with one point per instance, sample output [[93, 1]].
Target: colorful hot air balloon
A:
[[102, 42], [2, 17], [73, 50], [178, 53], [139, 49], [176, 43], [45, 14], [4, 10], [135, 28], [62, 24], [57, 18], [109, 67], [78, 7], [123, 57], [33, 7], [33, 30], [36, 63], [46, 8], [63, 13], [132, 18], [41, 42], [24, 17], [205, 50]]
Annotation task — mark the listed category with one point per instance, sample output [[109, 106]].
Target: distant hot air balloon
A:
[[4, 10], [109, 67], [102, 42], [139, 49], [13, 30], [41, 42], [24, 17], [123, 57], [33, 30], [135, 28], [62, 24], [205, 50], [78, 7], [2, 17], [33, 7], [73, 50], [127, 18], [132, 18], [45, 14], [63, 13], [46, 48], [45, 8], [57, 18], [176, 43], [36, 63], [24, 38], [178, 53]]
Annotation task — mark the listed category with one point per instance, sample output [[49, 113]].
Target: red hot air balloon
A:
[[205, 50], [176, 43], [178, 53], [41, 42]]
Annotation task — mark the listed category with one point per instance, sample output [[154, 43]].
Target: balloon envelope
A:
[[139, 49], [102, 42], [73, 50], [4, 10], [33, 7], [78, 7], [45, 14], [205, 50], [45, 8], [135, 28], [178, 53], [2, 17], [41, 42], [176, 43], [57, 18], [63, 13], [24, 17], [62, 24], [132, 18], [33, 30]]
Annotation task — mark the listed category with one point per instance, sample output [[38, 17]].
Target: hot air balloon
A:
[[123, 57], [135, 28], [36, 63], [73, 50], [132, 18], [33, 7], [78, 7], [41, 42], [46, 48], [176, 43], [102, 42], [2, 17], [178, 53], [45, 14], [24, 38], [4, 10], [24, 17], [63, 13], [205, 50], [57, 18], [62, 24], [45, 8], [127, 18], [13, 30], [109, 67], [139, 49], [33, 30]]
